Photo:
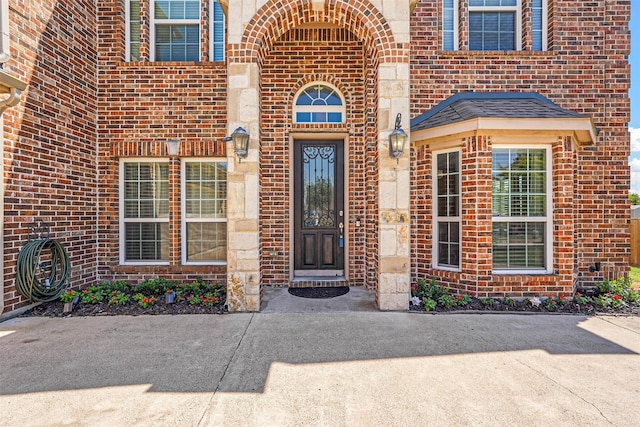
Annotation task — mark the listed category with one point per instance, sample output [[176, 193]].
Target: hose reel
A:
[[43, 267]]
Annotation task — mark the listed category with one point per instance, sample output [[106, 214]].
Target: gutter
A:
[[14, 88]]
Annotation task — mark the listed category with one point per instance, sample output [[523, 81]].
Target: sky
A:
[[634, 93]]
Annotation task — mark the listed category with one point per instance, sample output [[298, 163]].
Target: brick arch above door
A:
[[358, 16]]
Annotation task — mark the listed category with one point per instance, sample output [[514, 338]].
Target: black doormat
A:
[[330, 292]]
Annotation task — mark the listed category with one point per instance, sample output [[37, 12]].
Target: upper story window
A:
[[494, 24], [175, 30], [318, 103]]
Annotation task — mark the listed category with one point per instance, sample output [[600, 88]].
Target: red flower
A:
[[578, 294], [86, 291], [414, 287], [616, 297], [146, 300]]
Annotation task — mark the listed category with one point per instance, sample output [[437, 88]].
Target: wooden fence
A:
[[635, 242]]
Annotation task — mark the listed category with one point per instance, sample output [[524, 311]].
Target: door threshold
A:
[[318, 281]]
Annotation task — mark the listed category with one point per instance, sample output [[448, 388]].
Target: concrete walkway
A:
[[341, 368]]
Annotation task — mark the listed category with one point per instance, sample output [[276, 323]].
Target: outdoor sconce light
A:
[[240, 138], [173, 146], [397, 139]]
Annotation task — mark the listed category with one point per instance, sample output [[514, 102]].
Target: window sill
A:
[[494, 53], [522, 273], [168, 269], [172, 64]]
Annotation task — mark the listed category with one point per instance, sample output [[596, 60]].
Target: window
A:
[[144, 212], [4, 32], [204, 189], [175, 30], [447, 209], [521, 209], [495, 24], [318, 103]]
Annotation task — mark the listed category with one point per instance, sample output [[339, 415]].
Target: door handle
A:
[[341, 213]]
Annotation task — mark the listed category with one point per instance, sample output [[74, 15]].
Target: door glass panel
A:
[[318, 194]]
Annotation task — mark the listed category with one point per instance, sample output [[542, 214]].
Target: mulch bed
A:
[[55, 309], [476, 306]]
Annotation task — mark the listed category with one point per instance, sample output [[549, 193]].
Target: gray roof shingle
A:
[[470, 105]]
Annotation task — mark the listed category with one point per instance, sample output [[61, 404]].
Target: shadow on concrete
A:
[[234, 353]]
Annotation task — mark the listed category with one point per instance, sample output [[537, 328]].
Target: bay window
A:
[[521, 206], [447, 210]]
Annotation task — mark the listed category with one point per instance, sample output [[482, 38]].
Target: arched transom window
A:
[[318, 103]]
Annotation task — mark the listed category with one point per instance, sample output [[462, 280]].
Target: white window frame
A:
[[183, 207], [456, 26], [211, 33], [127, 5], [548, 219], [517, 9], [5, 40], [154, 22], [437, 219], [123, 220], [545, 23], [319, 108]]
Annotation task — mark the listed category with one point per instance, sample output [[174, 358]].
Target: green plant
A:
[[550, 303], [69, 295], [118, 298], [487, 302], [603, 300], [429, 304], [423, 289], [578, 298], [91, 295], [119, 285], [463, 300], [509, 301], [446, 301], [144, 301], [151, 287], [194, 299], [209, 299]]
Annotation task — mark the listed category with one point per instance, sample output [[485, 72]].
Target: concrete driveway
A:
[[320, 369]]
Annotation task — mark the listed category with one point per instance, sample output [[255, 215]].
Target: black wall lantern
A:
[[397, 139], [240, 138]]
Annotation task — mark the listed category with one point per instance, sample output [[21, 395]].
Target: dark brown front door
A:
[[319, 208]]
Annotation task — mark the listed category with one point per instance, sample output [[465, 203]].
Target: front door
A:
[[318, 208]]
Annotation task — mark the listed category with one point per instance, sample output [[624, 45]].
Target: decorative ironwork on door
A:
[[318, 198]]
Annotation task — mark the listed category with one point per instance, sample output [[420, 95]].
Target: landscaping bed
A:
[[148, 297], [608, 297]]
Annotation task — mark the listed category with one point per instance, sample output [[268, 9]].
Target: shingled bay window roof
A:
[[470, 111]]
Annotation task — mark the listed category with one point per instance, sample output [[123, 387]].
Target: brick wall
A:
[[300, 57], [50, 137], [585, 70], [140, 106]]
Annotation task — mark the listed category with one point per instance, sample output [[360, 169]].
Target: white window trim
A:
[[211, 33], [517, 9], [5, 40], [183, 208], [319, 108], [154, 22], [127, 30], [123, 255], [548, 246], [545, 23], [437, 219]]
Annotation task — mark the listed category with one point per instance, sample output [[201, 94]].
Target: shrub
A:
[[118, 298], [429, 304], [463, 300], [91, 295], [144, 301], [151, 287], [487, 302], [446, 301]]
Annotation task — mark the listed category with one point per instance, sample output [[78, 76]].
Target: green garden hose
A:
[[40, 275]]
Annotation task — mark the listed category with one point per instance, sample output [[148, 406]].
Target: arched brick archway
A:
[[385, 44], [358, 16]]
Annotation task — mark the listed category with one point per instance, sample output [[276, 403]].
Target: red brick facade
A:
[[584, 69], [86, 109], [50, 137]]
